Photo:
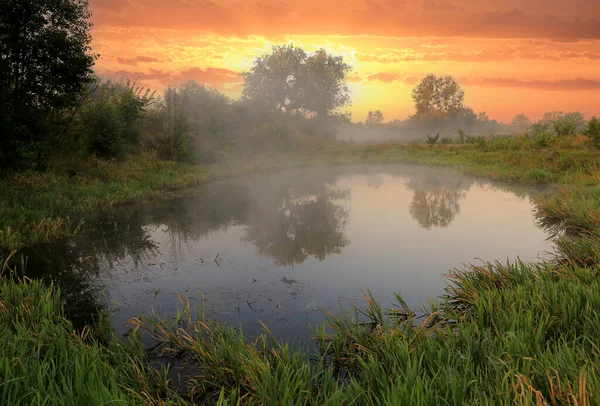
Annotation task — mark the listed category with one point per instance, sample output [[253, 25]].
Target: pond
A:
[[283, 247]]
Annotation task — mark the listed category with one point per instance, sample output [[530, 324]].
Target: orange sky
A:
[[512, 56]]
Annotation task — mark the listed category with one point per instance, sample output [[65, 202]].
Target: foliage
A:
[[173, 141], [104, 126], [593, 131], [432, 140], [290, 80], [438, 95], [543, 139], [326, 89], [520, 123], [277, 79], [111, 117], [537, 128], [438, 101], [374, 118], [564, 126], [46, 61]]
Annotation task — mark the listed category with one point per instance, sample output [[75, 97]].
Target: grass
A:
[[504, 333], [43, 361]]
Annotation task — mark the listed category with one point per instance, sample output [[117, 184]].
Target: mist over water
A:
[[279, 247]]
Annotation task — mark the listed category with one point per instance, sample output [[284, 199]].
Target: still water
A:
[[282, 247]]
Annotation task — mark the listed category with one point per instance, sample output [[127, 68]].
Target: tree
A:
[[438, 95], [520, 123], [325, 89], [439, 100], [483, 117], [374, 117], [45, 60], [276, 78], [289, 80]]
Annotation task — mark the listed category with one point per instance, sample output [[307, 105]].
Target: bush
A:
[[537, 128], [542, 139], [592, 130], [104, 128], [111, 118], [564, 127], [432, 140]]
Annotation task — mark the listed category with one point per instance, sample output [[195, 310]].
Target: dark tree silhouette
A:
[[45, 60]]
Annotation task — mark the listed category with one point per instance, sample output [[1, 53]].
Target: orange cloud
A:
[[211, 76], [135, 61], [564, 85], [373, 17]]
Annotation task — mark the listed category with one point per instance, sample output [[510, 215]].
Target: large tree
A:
[[326, 89], [290, 80], [275, 79], [439, 99], [438, 95], [45, 60]]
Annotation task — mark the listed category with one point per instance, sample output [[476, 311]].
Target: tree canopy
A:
[[46, 61], [290, 80], [438, 95]]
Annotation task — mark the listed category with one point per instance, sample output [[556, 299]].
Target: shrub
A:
[[537, 128], [592, 130], [461, 135], [104, 128], [542, 139], [432, 140], [564, 126]]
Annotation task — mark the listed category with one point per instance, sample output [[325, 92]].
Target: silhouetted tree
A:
[[45, 60], [374, 118]]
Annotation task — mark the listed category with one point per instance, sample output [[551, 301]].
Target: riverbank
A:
[[504, 334]]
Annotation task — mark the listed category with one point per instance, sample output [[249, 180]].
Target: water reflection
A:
[[436, 200], [300, 222], [281, 238]]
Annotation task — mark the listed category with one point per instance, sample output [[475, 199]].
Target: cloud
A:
[[135, 61], [577, 84], [558, 85], [384, 77], [480, 56], [438, 18], [388, 77], [212, 76]]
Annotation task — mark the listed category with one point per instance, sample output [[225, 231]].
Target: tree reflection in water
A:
[[436, 200], [301, 222]]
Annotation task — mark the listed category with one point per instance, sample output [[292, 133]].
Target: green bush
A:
[[542, 139], [537, 128], [104, 127], [592, 130], [564, 127]]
